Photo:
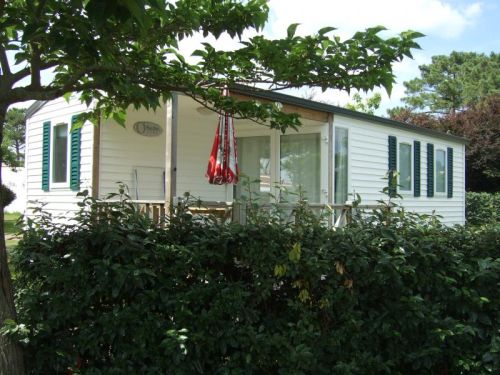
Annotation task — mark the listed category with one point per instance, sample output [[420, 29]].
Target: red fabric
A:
[[223, 164]]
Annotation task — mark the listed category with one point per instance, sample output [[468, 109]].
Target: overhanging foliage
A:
[[126, 52]]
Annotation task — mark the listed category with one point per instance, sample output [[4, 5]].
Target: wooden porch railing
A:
[[153, 209], [224, 211]]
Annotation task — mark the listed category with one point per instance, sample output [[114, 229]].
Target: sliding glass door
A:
[[254, 161], [341, 165], [282, 165], [300, 167]]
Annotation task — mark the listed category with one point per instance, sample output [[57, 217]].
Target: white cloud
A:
[[428, 16], [437, 18], [224, 43]]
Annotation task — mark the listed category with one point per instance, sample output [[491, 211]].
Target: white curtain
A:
[[254, 164], [440, 171], [341, 165], [300, 166], [404, 166]]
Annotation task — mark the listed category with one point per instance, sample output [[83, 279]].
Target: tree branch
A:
[[4, 62], [41, 5], [35, 65], [205, 104], [21, 94], [17, 76]]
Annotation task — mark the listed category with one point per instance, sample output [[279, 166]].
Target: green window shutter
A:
[[46, 156], [449, 153], [392, 165], [416, 168], [74, 178], [430, 170]]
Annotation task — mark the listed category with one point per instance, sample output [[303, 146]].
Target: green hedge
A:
[[482, 208], [395, 294]]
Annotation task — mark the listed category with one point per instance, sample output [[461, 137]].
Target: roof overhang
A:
[[32, 109], [315, 106], [329, 108]]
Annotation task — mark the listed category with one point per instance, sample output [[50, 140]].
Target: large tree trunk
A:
[[11, 355]]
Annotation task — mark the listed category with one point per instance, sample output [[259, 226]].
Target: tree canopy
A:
[[13, 140], [126, 52], [453, 83], [368, 105], [480, 124], [118, 53], [460, 94]]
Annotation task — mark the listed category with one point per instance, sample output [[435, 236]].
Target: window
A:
[[254, 159], [341, 165], [440, 171], [60, 154], [404, 167], [300, 167]]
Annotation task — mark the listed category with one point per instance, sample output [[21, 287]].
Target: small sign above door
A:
[[147, 128]]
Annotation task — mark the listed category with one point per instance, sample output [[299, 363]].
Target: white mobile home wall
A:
[[61, 200], [368, 164], [132, 159], [122, 152]]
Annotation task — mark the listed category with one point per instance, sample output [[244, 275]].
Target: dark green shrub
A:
[[482, 208], [7, 196], [395, 294]]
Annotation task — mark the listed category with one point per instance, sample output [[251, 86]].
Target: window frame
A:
[[445, 191], [66, 184], [412, 166]]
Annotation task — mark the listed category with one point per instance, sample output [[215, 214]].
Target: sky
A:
[[449, 25]]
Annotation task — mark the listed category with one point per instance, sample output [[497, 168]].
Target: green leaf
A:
[[120, 117], [326, 30], [67, 96], [295, 252], [136, 8], [290, 31]]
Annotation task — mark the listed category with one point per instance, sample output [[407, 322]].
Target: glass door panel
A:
[[300, 166], [341, 166], [254, 162]]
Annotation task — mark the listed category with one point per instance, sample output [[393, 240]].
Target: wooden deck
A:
[[336, 215]]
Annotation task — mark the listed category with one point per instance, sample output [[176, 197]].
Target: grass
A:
[[11, 229]]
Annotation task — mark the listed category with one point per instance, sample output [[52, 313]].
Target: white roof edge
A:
[[34, 108]]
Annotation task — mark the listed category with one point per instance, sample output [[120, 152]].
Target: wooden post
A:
[[96, 146], [171, 112], [331, 166]]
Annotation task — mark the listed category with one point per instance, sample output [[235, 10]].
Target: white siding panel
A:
[[195, 137], [123, 152], [368, 154], [60, 201]]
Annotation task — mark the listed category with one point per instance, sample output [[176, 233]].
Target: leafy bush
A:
[[7, 196], [482, 208], [394, 294]]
